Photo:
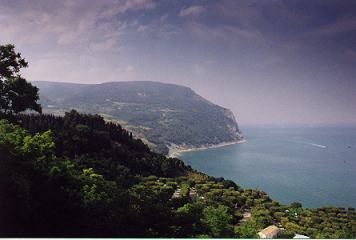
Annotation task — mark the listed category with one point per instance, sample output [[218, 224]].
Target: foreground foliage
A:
[[80, 176]]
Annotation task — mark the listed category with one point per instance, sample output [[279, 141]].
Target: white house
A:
[[300, 236], [269, 232]]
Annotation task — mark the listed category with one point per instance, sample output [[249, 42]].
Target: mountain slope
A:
[[163, 114]]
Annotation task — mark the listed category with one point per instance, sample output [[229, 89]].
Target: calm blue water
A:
[[314, 166]]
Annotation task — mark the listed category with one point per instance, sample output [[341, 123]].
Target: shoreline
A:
[[175, 150]]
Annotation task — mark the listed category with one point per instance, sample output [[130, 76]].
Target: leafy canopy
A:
[[16, 94]]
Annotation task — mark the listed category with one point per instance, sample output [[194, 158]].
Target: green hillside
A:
[[163, 114], [79, 176]]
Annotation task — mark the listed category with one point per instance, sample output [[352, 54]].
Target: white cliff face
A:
[[232, 126]]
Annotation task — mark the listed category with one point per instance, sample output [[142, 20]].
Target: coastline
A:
[[175, 150]]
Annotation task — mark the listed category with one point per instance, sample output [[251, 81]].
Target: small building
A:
[[300, 236], [269, 232], [176, 194], [192, 193]]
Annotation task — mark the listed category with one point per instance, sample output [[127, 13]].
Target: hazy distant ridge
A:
[[163, 114]]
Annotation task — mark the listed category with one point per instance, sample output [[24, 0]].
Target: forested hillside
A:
[[79, 176], [163, 114]]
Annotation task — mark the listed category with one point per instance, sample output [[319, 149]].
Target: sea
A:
[[315, 166]]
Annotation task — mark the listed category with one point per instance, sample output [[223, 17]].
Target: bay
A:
[[312, 165]]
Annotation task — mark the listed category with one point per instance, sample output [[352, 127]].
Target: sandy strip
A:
[[175, 150]]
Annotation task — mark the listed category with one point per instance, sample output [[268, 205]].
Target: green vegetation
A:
[[16, 94], [79, 176], [52, 185], [246, 229], [163, 114]]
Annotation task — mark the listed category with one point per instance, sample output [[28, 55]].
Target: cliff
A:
[[164, 115]]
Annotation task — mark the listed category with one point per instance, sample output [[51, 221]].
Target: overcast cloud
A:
[[271, 62]]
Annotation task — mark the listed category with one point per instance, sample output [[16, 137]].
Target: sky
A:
[[270, 62]]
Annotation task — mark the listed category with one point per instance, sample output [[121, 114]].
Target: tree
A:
[[285, 234], [218, 221], [24, 187], [20, 95], [262, 217], [295, 205], [247, 229], [187, 220], [10, 61], [16, 94]]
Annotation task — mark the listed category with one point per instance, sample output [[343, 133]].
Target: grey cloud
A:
[[66, 22], [344, 25], [192, 11], [228, 33]]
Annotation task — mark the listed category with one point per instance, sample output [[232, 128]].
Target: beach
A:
[[176, 150]]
